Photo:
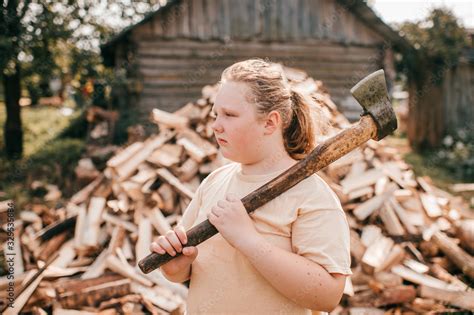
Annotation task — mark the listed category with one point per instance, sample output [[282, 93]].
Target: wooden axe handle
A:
[[323, 155]]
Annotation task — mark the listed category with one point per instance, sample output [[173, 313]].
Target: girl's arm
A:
[[301, 280]]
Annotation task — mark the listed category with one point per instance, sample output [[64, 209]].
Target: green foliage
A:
[[53, 145], [438, 41], [452, 162]]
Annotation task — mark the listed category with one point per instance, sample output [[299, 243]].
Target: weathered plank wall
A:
[[182, 48], [458, 98], [174, 72]]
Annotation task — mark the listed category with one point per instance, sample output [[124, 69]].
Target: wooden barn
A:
[[176, 50]]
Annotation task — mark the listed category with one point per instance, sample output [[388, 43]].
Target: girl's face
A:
[[237, 130]]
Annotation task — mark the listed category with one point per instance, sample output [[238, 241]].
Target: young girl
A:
[[291, 255]]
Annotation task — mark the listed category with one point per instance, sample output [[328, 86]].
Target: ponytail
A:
[[299, 136]]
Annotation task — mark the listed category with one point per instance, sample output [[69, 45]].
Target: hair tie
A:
[[294, 99]]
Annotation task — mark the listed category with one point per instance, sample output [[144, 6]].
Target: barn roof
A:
[[357, 7]]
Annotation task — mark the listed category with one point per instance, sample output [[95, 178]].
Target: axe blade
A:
[[371, 93]]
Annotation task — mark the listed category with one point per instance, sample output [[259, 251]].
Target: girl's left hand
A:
[[231, 219]]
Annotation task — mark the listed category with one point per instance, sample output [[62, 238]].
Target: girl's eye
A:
[[229, 114]]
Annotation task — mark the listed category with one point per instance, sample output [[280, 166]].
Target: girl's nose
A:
[[217, 126]]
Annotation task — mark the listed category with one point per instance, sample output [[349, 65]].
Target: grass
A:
[[423, 165], [53, 143], [40, 125]]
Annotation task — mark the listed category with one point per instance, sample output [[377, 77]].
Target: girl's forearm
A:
[[301, 280]]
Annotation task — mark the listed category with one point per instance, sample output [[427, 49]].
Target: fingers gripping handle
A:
[[195, 235]]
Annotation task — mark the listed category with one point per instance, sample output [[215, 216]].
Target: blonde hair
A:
[[272, 91]]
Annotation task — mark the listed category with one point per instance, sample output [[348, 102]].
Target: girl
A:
[[291, 255]]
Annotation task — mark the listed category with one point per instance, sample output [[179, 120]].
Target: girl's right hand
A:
[[172, 243]]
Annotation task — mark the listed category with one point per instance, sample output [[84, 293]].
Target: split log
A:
[[170, 120], [459, 257], [462, 299]]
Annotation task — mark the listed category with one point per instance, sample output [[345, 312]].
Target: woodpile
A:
[[411, 243]]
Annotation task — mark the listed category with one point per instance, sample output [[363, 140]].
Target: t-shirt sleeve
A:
[[321, 233], [192, 210]]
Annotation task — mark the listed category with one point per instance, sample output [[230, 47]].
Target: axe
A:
[[377, 121]]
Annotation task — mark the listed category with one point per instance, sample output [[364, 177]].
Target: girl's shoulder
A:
[[315, 193]]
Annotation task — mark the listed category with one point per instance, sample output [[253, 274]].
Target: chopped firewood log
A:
[[93, 293], [421, 279], [401, 214], [166, 198], [388, 279], [196, 146], [117, 302], [142, 249], [80, 228], [51, 246], [191, 112], [156, 298], [357, 248], [98, 266], [395, 295], [145, 173], [170, 120], [365, 209], [465, 233], [114, 264], [56, 228], [192, 149], [370, 234], [127, 168], [167, 155], [188, 170], [377, 252], [430, 205], [94, 220], [396, 255], [365, 311], [31, 217], [462, 187], [158, 220], [82, 195], [364, 191], [132, 189], [366, 179], [166, 175], [462, 299], [390, 220], [129, 226], [442, 274], [124, 155], [457, 255]]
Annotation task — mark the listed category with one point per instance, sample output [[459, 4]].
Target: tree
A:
[[10, 46], [438, 41], [29, 32]]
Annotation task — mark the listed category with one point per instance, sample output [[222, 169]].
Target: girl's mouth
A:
[[221, 141]]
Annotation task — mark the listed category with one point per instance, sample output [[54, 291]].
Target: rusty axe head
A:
[[371, 93]]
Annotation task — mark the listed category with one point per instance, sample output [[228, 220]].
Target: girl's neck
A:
[[271, 163]]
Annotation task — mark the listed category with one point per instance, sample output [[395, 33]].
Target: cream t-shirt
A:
[[307, 219]]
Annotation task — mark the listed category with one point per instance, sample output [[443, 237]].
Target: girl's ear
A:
[[272, 122]]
